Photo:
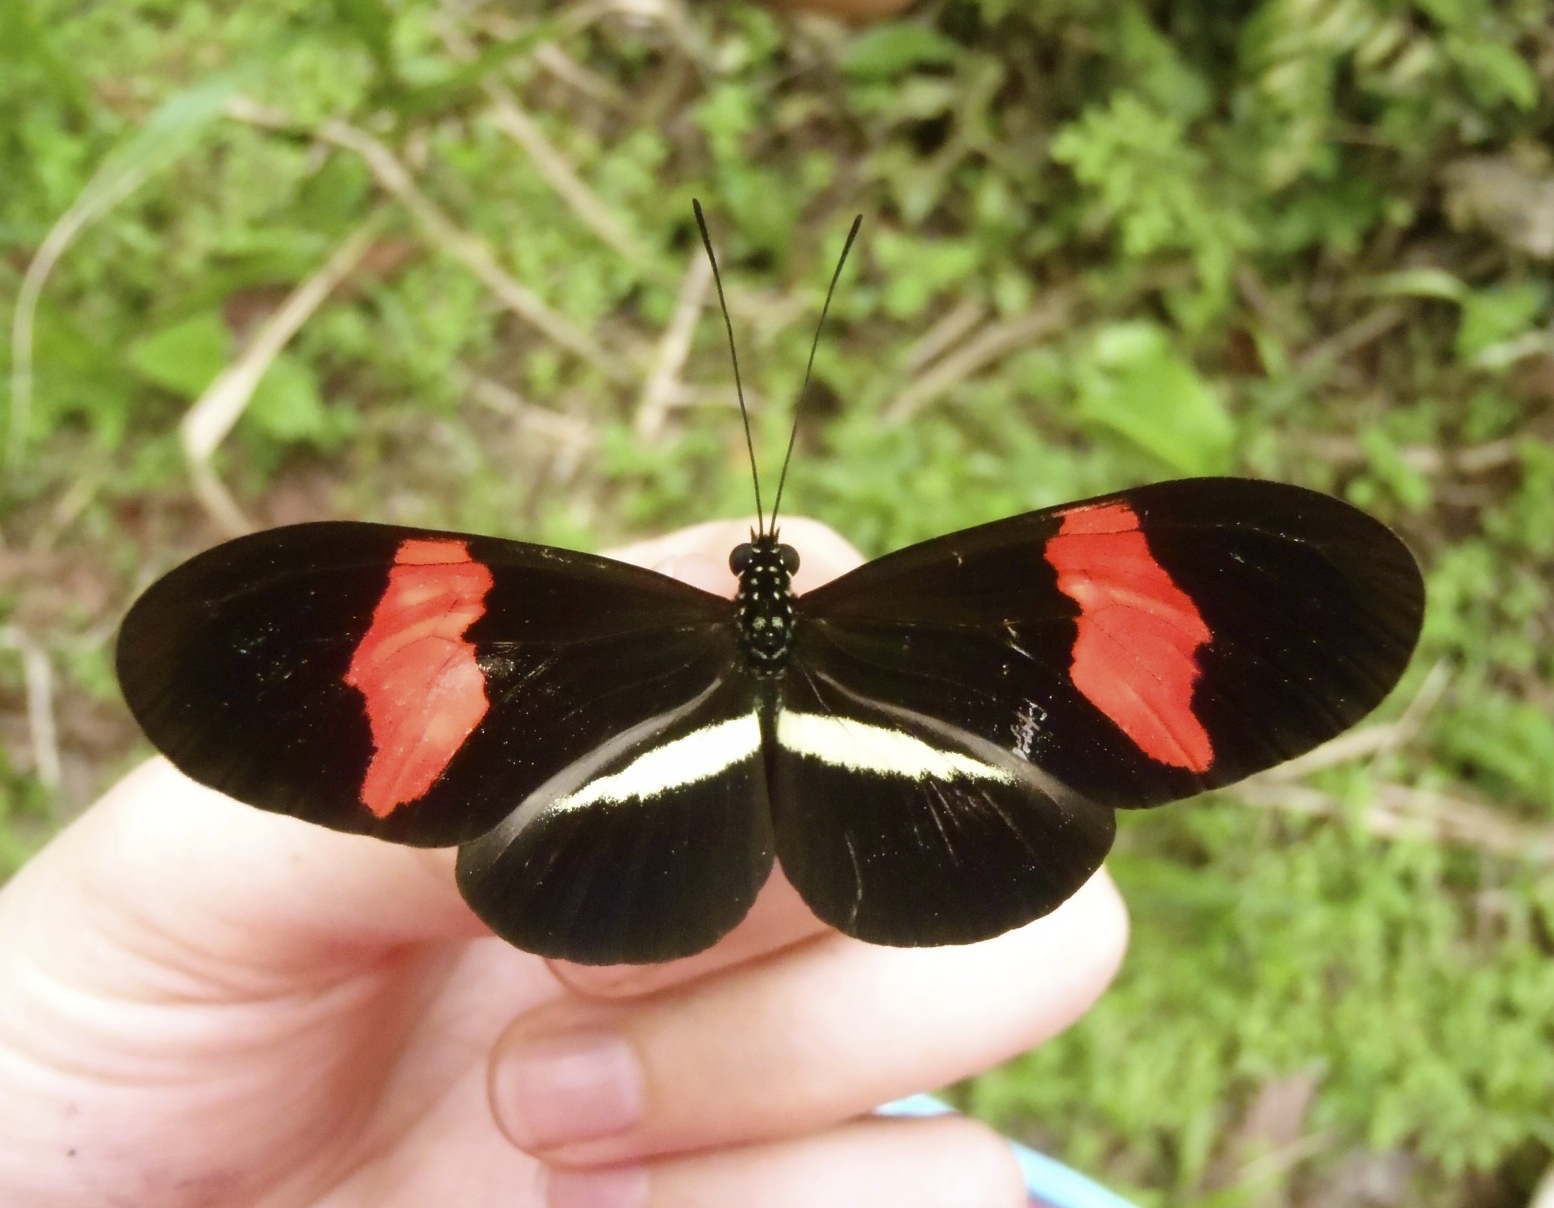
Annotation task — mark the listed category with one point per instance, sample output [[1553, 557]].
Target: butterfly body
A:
[[763, 607], [932, 746]]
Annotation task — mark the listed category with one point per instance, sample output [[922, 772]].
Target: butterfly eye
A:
[[790, 558], [739, 559]]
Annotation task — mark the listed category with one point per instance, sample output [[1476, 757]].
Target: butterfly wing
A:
[[425, 687], [647, 851], [1128, 650], [899, 827], [404, 683]]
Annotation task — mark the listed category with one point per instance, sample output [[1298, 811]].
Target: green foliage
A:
[[1156, 188], [1133, 381], [1454, 1066], [1103, 242]]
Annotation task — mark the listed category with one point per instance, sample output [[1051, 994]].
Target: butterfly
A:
[[933, 746]]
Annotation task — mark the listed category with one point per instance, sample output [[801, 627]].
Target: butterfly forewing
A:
[[411, 684], [1139, 647]]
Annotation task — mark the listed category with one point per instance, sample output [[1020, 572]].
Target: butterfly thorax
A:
[[764, 606]]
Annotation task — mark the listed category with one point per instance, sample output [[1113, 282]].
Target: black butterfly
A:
[[933, 746]]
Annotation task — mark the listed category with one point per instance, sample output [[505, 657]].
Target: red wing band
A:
[[1135, 655], [423, 688]]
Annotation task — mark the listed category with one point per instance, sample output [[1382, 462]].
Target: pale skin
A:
[[204, 1004]]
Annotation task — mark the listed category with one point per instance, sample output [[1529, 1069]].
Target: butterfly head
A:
[[764, 605]]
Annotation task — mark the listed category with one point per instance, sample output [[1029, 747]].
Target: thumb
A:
[[166, 879]]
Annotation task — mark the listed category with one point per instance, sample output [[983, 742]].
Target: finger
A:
[[699, 554], [817, 1034], [182, 877], [948, 1162]]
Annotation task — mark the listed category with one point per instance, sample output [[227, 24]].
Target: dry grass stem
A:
[[573, 74], [512, 120], [573, 436], [74, 502], [214, 414], [1422, 459], [100, 194], [981, 351], [448, 237], [1364, 330], [1543, 1193], [1366, 741], [38, 685], [664, 388], [943, 335], [1346, 748], [1400, 811]]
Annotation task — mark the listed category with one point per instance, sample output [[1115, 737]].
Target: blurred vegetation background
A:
[[434, 263]]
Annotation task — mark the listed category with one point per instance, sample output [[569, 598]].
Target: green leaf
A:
[[1132, 381], [1423, 282], [919, 270], [184, 357], [1496, 72], [287, 404], [1492, 316], [169, 131], [889, 50], [24, 44], [1509, 743], [371, 24], [1386, 463], [1155, 66], [167, 134], [465, 78]]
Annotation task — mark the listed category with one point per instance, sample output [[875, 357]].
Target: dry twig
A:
[[38, 684], [984, 349], [1401, 811], [1397, 810], [209, 421], [664, 388], [943, 335], [512, 120], [395, 179], [572, 435], [1367, 328], [1422, 459]]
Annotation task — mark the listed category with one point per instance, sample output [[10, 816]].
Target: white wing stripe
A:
[[697, 756], [859, 747]]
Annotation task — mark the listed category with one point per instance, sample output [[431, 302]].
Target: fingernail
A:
[[564, 1089], [622, 1188]]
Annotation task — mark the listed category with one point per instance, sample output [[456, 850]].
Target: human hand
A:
[[205, 1004]]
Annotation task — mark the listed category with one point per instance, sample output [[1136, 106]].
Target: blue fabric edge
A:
[[1048, 1182]]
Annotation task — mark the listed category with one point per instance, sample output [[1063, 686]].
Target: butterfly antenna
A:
[[733, 354], [798, 408]]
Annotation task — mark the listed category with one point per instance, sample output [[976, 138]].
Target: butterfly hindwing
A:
[[900, 828], [1139, 647], [410, 684], [651, 850]]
